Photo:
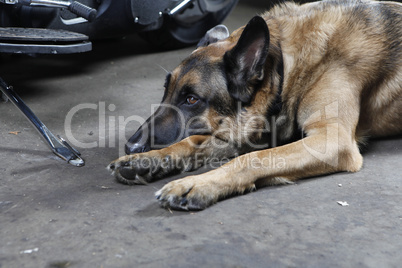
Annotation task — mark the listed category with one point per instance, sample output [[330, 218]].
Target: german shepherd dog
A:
[[330, 73]]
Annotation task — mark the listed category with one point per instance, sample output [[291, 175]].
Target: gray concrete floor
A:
[[56, 215]]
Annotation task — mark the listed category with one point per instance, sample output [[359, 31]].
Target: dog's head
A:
[[216, 83]]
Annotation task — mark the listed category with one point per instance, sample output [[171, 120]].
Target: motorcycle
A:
[[54, 26], [64, 27]]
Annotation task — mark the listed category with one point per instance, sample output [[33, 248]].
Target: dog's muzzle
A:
[[162, 129]]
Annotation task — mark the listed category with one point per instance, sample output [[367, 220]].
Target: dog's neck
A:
[[276, 107]]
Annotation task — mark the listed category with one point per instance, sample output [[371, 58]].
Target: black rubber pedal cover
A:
[[39, 35]]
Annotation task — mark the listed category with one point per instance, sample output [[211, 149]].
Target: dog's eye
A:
[[191, 100]]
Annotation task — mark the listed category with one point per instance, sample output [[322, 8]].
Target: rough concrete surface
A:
[[53, 214]]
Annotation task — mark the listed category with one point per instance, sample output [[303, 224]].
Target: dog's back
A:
[[360, 40]]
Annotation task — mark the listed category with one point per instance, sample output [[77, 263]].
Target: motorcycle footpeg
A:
[[42, 41], [75, 7]]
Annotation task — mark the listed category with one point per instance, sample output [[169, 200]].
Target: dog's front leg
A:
[[315, 155], [186, 155]]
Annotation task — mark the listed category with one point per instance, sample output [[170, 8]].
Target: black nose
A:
[[136, 148], [138, 143]]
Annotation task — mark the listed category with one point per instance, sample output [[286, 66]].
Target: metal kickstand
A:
[[58, 145]]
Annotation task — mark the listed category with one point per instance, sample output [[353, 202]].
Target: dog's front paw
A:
[[140, 168], [188, 194]]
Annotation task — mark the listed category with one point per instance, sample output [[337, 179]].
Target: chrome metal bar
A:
[[183, 5], [75, 7], [10, 2], [58, 145], [48, 3]]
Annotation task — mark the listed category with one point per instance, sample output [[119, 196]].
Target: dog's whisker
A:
[[160, 66]]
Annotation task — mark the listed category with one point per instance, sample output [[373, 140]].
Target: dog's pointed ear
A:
[[245, 62], [217, 33]]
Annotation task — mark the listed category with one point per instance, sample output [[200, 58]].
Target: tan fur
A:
[[341, 83]]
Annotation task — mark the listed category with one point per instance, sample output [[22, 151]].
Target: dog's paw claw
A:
[[183, 202], [111, 167], [183, 195]]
